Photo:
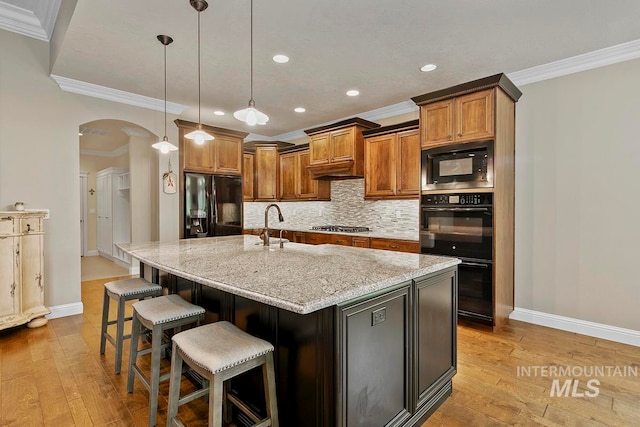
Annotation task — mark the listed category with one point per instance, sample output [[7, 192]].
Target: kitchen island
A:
[[362, 337]]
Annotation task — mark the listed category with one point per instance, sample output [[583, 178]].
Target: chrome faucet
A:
[[265, 235]]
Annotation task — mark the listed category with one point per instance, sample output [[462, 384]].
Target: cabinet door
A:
[[9, 282], [380, 166], [288, 172], [375, 360], [309, 188], [435, 334], [360, 242], [228, 155], [247, 177], [436, 121], [408, 164], [31, 254], [319, 148], [266, 161], [198, 158], [342, 144], [474, 116]]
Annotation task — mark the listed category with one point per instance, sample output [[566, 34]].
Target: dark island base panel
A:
[[311, 385]]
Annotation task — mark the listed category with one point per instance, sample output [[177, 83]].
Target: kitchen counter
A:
[[299, 278], [400, 235], [362, 337]]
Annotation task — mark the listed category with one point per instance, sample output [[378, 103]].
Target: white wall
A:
[[39, 154], [577, 196]]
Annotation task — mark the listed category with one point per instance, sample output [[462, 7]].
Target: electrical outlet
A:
[[319, 212], [378, 316], [398, 214]]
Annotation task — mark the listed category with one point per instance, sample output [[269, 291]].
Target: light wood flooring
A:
[[55, 376], [98, 267]]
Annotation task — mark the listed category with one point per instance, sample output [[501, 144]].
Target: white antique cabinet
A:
[[22, 269]]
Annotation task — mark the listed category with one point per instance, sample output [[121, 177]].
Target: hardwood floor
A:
[[55, 376]]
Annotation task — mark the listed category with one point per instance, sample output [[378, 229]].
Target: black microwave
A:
[[458, 166]]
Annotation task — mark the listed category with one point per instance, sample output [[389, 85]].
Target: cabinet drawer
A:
[[360, 242], [322, 238], [30, 225], [6, 225], [395, 245]]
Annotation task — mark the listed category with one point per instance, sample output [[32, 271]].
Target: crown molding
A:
[[575, 64], [135, 132], [115, 153], [115, 95], [377, 114], [37, 23]]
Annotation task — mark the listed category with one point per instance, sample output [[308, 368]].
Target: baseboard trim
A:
[[584, 327], [92, 253], [65, 310]]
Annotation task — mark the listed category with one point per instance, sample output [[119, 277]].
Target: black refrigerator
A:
[[212, 205]]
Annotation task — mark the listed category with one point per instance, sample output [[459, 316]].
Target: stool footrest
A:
[[192, 396], [113, 322], [244, 408]]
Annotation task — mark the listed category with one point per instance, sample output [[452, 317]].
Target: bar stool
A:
[[218, 352], [122, 291], [157, 315]]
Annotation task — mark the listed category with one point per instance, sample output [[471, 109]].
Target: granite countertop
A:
[[400, 235], [299, 278]]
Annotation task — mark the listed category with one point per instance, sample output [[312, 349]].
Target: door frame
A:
[[84, 230]]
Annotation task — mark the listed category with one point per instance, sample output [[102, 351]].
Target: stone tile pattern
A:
[[299, 278], [347, 207]]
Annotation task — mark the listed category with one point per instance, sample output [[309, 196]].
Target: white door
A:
[[83, 213]]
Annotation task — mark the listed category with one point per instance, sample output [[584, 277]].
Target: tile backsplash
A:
[[347, 207]]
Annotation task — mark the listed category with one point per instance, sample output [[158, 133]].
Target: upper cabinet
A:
[[266, 173], [392, 161], [247, 176], [222, 156], [337, 150], [461, 119], [296, 182]]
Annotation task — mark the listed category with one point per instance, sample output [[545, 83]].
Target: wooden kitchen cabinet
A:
[[337, 150], [395, 245], [324, 238], [296, 182], [247, 177], [266, 173], [460, 119], [360, 242], [392, 161], [22, 269], [222, 156]]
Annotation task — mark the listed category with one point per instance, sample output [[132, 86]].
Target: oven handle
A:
[[456, 209], [474, 264]]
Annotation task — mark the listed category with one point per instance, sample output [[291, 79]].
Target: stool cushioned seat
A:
[[166, 309], [132, 286], [218, 346]]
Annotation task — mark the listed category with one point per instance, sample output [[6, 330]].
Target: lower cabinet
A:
[[397, 352]]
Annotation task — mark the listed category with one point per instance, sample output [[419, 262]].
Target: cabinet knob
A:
[[394, 246], [460, 134]]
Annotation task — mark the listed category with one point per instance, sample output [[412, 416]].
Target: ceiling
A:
[[107, 137], [375, 47]]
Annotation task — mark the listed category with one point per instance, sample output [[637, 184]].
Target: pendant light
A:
[[164, 145], [199, 136], [250, 115]]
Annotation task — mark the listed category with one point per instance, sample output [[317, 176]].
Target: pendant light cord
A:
[[252, 50], [165, 91], [199, 123]]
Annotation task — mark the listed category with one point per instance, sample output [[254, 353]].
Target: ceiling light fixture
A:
[[299, 109], [353, 92], [428, 67], [251, 115], [218, 113], [199, 136], [281, 59], [164, 145]]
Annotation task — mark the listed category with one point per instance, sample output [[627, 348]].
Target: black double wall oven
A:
[[461, 224]]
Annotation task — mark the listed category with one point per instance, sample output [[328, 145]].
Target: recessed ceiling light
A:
[[353, 92], [281, 59], [79, 133], [299, 110], [219, 113], [428, 67]]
